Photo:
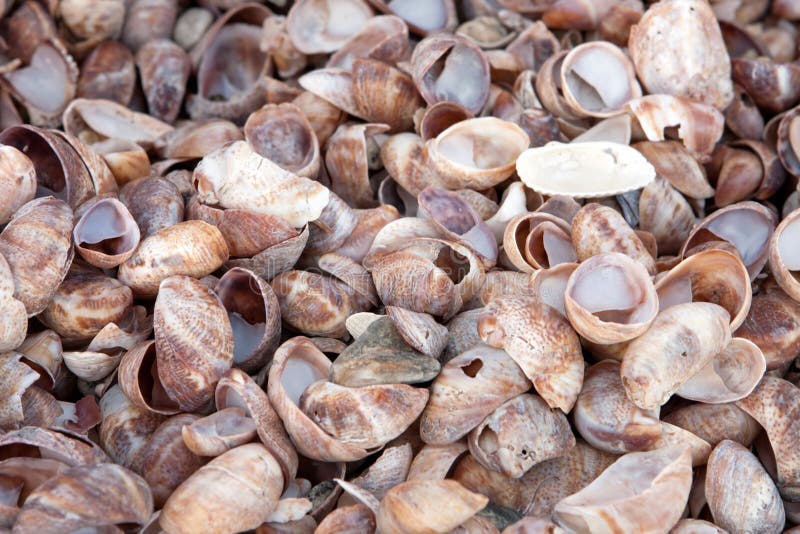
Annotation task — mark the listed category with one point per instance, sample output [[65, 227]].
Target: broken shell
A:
[[564, 169], [14, 322], [594, 91], [713, 275], [422, 17], [195, 139], [771, 404], [575, 14], [164, 69], [788, 141], [288, 60], [219, 432], [276, 259], [296, 365], [108, 72], [674, 163], [783, 261], [469, 387], [771, 85], [419, 330], [334, 85], [384, 37], [440, 116], [148, 20], [420, 506], [17, 378], [321, 26], [106, 235], [697, 125], [692, 59], [519, 434], [452, 68], [742, 116], [330, 231], [348, 158], [125, 428], [716, 422], [62, 445], [383, 94], [666, 214], [550, 285], [541, 342], [38, 270], [192, 248], [155, 203], [726, 224], [731, 375], [368, 416], [733, 470], [476, 153], [282, 134], [739, 176], [607, 419], [17, 181], [127, 161], [233, 492], [487, 31], [100, 496], [680, 342], [356, 518], [229, 175], [433, 462], [97, 120], [624, 308], [598, 229], [193, 338], [629, 498]]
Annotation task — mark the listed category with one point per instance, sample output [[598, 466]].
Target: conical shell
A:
[[541, 342]]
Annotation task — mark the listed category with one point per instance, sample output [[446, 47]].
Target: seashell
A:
[[193, 140], [193, 339], [108, 72], [724, 224], [772, 174], [106, 235], [42, 352], [275, 259], [322, 26], [674, 163], [423, 506], [323, 116], [37, 271], [666, 214], [550, 285], [380, 355], [355, 518], [739, 176], [621, 315], [233, 492], [395, 235], [457, 220], [14, 323], [575, 14], [282, 134], [732, 467], [166, 461], [586, 91], [451, 68], [96, 120], [771, 85], [125, 428], [288, 60], [383, 94], [384, 37], [618, 498], [476, 153], [24, 29], [696, 526], [419, 330], [622, 169], [333, 85], [405, 158], [519, 434], [229, 175], [148, 20], [127, 161], [368, 224], [347, 159], [428, 276], [336, 222], [237, 389], [699, 126], [742, 116], [423, 18], [501, 284], [433, 462], [487, 31], [697, 66], [533, 47], [366, 417], [440, 116], [782, 261], [786, 139], [17, 181], [680, 342], [17, 377], [598, 229], [99, 496], [716, 422], [607, 419], [672, 435], [469, 388], [552, 362], [296, 365], [190, 248], [164, 69], [389, 470], [713, 275], [154, 203], [770, 404], [190, 26], [61, 445]]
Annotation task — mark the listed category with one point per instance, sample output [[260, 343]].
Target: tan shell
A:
[[100, 496], [519, 434], [715, 422], [699, 126], [125, 428], [680, 342], [434, 462], [17, 377], [322, 26], [389, 470], [96, 120], [127, 161], [38, 270], [550, 285], [773, 323], [384, 37], [233, 492], [541, 342], [672, 435], [476, 153], [63, 445], [108, 72], [347, 159], [469, 387], [106, 235], [782, 261], [155, 203], [678, 49], [675, 163], [355, 518], [422, 17], [666, 214], [164, 69], [609, 298], [715, 276], [537, 240], [296, 365], [771, 404], [191, 248], [43, 352], [420, 506], [696, 526], [195, 139], [628, 498], [219, 432], [605, 417], [584, 170], [597, 229], [282, 134], [14, 319], [383, 94], [17, 181], [194, 341], [734, 471], [725, 224]]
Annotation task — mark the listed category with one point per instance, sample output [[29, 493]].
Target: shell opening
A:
[[103, 229], [424, 14], [456, 76], [455, 265], [747, 230], [298, 374], [789, 245], [598, 80], [609, 293], [232, 63]]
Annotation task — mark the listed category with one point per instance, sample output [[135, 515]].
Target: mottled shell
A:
[[716, 422], [773, 323], [154, 202], [17, 181]]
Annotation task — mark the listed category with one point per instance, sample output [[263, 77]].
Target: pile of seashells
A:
[[407, 266]]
